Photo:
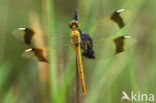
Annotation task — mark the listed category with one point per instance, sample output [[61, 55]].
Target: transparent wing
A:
[[62, 55], [24, 34], [59, 45], [28, 36], [35, 53], [111, 24], [112, 45], [103, 32]]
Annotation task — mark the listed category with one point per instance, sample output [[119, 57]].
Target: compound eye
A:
[[77, 24], [70, 24]]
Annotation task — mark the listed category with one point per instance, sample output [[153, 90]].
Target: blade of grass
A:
[[10, 96], [4, 19], [40, 43], [52, 67]]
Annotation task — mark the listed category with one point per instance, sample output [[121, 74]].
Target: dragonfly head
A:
[[74, 24]]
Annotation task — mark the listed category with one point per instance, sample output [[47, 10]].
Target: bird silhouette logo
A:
[[125, 96]]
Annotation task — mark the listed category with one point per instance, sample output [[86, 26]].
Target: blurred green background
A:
[[26, 81]]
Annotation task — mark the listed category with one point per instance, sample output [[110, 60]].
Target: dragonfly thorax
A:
[[75, 37]]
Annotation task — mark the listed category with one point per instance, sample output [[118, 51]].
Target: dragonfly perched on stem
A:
[[102, 43]]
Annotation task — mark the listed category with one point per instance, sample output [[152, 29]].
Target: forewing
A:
[[111, 25], [24, 34], [28, 36]]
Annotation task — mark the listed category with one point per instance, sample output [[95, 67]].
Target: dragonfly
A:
[[100, 44]]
